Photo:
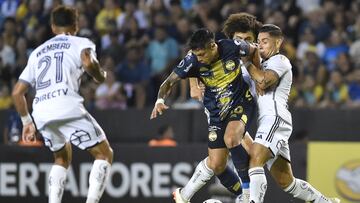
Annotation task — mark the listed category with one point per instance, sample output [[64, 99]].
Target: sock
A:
[[200, 177], [57, 178], [241, 159], [230, 181], [97, 180], [258, 184], [303, 190]]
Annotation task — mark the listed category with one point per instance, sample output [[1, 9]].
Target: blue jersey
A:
[[225, 88]]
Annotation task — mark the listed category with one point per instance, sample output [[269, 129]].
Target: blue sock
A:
[[241, 158], [230, 181]]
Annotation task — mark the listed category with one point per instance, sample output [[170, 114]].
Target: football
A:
[[212, 201]]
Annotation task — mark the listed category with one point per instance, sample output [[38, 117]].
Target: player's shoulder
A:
[[80, 40], [188, 61], [280, 60]]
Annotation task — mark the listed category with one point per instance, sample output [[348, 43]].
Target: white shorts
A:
[[82, 132], [274, 133]]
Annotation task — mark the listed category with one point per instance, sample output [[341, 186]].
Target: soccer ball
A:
[[212, 201]]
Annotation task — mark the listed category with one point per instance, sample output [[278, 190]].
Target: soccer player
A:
[[241, 26], [275, 124], [54, 70], [228, 106]]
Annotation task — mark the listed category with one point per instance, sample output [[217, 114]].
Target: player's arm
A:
[[196, 89], [263, 78], [245, 48], [91, 65], [18, 95], [164, 92]]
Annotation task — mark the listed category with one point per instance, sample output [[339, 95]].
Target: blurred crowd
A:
[[140, 41]]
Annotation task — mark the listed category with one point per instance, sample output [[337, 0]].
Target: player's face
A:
[[246, 36], [268, 46], [206, 55]]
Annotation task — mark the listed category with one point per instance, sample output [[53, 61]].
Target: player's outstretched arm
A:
[[18, 95], [92, 66], [164, 91]]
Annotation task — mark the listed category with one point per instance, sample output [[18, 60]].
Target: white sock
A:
[[303, 190], [200, 177], [57, 178], [97, 180], [258, 184]]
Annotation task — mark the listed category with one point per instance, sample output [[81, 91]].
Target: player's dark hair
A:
[[241, 22], [64, 16], [201, 38], [272, 29]]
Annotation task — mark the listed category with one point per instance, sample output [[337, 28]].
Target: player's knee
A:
[[63, 161], [284, 180], [257, 158], [217, 167], [106, 154], [232, 139]]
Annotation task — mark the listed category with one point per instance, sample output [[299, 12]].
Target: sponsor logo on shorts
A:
[[347, 180]]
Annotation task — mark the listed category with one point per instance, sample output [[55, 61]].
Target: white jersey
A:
[[54, 70], [274, 101]]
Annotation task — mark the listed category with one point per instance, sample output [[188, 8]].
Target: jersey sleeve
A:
[[28, 74], [187, 67], [242, 47], [86, 43], [280, 64]]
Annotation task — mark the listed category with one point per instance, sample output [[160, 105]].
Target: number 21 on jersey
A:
[[44, 64]]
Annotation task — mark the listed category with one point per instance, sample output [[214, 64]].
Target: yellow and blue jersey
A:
[[225, 87]]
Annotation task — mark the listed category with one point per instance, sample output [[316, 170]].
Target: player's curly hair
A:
[[241, 22]]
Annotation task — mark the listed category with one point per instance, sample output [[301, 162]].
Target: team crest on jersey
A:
[[230, 65], [212, 136]]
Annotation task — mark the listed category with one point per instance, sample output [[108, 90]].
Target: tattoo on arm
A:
[[166, 86]]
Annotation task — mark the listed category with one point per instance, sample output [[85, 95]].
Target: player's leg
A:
[[100, 149], [247, 142], [62, 160], [204, 171], [227, 176], [233, 136], [282, 173], [86, 134], [263, 149], [259, 154], [100, 171]]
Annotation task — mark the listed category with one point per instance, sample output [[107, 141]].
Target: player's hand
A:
[[198, 92], [159, 108], [28, 133], [259, 90]]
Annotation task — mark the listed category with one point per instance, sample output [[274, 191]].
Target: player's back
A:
[[54, 69], [274, 101]]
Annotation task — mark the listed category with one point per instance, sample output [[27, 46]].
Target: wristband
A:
[[160, 101], [26, 119]]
